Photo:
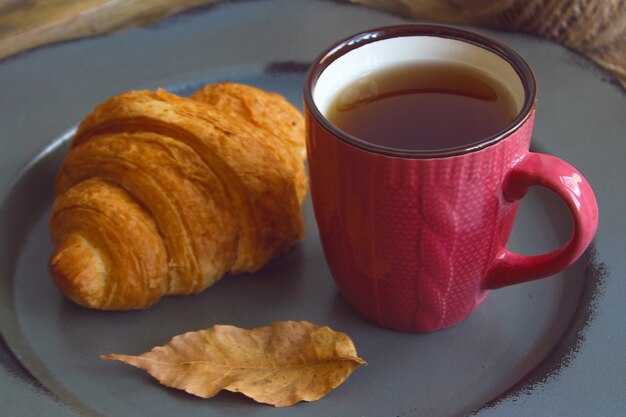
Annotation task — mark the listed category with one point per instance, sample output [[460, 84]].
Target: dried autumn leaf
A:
[[280, 364]]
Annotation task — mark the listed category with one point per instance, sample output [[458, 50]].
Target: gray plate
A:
[[555, 347]]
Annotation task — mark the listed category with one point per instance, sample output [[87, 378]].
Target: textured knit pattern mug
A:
[[415, 239]]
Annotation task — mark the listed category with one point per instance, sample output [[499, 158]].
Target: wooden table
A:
[[595, 28]]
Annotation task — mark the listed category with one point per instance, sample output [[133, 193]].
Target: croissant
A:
[[161, 194]]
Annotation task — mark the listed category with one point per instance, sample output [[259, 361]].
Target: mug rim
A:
[[343, 46]]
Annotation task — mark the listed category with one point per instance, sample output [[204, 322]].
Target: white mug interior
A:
[[407, 50]]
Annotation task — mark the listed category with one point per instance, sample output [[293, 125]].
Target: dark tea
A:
[[422, 107]]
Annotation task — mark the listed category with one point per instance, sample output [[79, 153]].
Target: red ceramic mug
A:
[[415, 239]]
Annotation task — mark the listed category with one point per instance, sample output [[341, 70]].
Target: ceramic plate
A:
[[554, 347]]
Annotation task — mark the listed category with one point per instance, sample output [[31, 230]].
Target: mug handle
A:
[[563, 179]]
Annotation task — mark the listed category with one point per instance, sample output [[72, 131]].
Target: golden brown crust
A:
[[267, 111], [109, 253], [218, 193], [249, 162], [181, 193]]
